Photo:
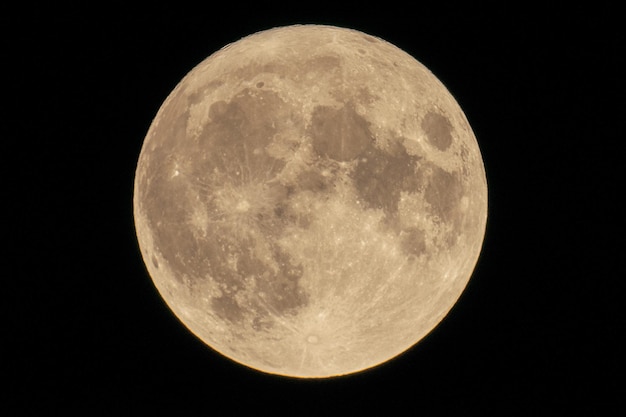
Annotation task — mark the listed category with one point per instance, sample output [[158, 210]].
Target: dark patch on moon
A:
[[322, 64], [340, 134], [412, 241], [381, 176], [197, 96], [273, 292], [227, 308], [285, 213], [312, 180], [155, 262], [443, 193], [175, 239], [438, 130], [234, 141], [230, 152], [218, 109], [250, 71]]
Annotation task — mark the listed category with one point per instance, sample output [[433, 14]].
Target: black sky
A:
[[540, 328]]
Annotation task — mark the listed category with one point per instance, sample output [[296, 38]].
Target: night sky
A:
[[540, 328]]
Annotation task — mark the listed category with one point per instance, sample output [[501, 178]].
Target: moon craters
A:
[[299, 200], [438, 130]]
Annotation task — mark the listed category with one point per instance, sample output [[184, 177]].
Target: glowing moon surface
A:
[[310, 201]]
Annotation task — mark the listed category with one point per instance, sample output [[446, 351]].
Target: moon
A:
[[310, 201]]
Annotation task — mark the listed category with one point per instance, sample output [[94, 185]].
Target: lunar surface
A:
[[310, 201]]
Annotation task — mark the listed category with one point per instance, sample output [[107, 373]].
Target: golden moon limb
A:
[[310, 201]]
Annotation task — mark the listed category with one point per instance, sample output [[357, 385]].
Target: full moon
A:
[[310, 201]]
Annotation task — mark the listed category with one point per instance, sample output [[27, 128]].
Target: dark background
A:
[[538, 331]]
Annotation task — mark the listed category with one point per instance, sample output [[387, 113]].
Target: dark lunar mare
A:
[[230, 149]]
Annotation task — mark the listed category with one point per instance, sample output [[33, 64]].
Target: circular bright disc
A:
[[310, 201]]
